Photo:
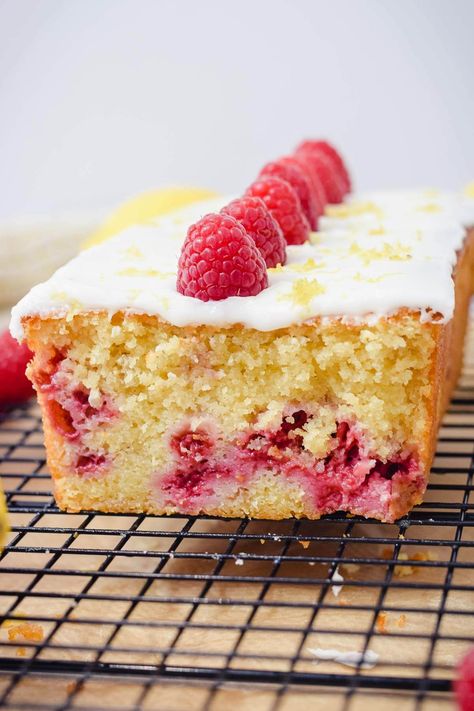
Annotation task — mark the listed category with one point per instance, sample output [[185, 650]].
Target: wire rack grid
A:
[[138, 612]]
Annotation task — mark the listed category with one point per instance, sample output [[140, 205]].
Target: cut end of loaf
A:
[[140, 415]]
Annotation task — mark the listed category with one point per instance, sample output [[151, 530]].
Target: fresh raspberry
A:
[[219, 259], [464, 684], [262, 227], [283, 203], [319, 192], [287, 168], [334, 156], [14, 385], [324, 170]]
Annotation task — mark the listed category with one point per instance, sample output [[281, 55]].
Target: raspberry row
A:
[[227, 254]]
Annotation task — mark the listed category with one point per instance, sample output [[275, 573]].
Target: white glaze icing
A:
[[391, 250]]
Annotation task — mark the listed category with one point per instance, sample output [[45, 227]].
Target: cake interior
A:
[[143, 416]]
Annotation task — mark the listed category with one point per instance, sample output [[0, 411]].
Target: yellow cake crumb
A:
[[381, 623], [404, 571], [27, 631], [424, 555], [402, 620], [351, 568]]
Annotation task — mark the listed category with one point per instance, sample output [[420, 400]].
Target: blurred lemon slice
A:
[[145, 207], [3, 520], [469, 190]]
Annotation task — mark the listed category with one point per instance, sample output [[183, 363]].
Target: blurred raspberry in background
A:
[[14, 385]]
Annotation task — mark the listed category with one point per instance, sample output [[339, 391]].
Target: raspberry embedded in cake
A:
[[68, 410], [209, 472], [91, 464], [71, 413], [192, 445]]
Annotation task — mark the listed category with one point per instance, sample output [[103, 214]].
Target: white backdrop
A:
[[103, 98]]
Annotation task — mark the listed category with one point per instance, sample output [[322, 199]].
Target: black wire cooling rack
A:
[[134, 612]]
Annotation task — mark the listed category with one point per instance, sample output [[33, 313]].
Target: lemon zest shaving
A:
[[276, 270], [352, 210], [303, 291], [133, 252], [74, 305], [308, 266], [370, 280], [396, 252], [430, 207], [134, 272], [59, 296], [431, 193]]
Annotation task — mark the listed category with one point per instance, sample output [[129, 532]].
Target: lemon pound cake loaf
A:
[[230, 360]]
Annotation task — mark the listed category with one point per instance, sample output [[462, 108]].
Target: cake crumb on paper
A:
[[381, 623], [402, 620], [27, 631], [424, 555], [350, 568], [403, 571]]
